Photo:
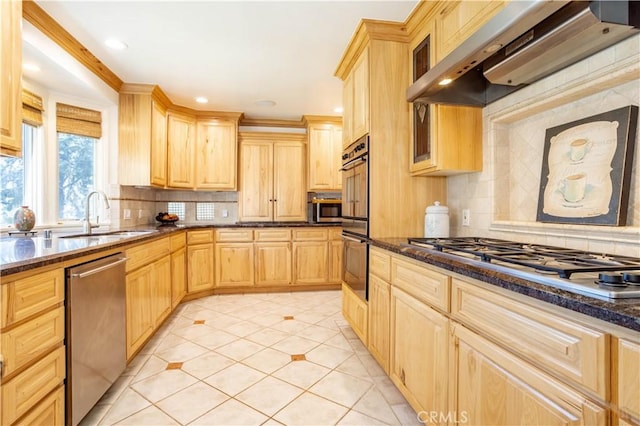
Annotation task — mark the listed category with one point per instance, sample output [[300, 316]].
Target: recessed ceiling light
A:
[[31, 67], [265, 103], [202, 100], [116, 44], [445, 81], [338, 110]]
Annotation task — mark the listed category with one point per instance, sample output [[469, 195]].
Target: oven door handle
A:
[[354, 239], [353, 163]]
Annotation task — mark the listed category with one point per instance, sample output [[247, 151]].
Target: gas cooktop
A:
[[599, 275]]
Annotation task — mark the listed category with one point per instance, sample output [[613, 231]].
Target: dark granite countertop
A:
[[21, 253], [622, 312]]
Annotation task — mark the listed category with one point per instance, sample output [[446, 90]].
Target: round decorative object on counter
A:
[[167, 218], [24, 219], [436, 221]]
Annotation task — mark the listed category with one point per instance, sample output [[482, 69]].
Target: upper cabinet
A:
[[355, 100], [216, 154], [272, 177], [181, 140], [142, 136], [10, 78], [324, 150], [458, 20]]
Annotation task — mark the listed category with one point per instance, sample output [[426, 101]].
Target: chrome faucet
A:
[[87, 226]]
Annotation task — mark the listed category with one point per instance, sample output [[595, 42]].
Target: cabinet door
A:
[[379, 315], [273, 263], [347, 107], [419, 355], [10, 85], [360, 123], [216, 155], [289, 193], [200, 267], [139, 312], [234, 265], [161, 290], [325, 143], [256, 182], [354, 310], [495, 387], [629, 377], [335, 262], [310, 262], [158, 144], [178, 276], [181, 145]]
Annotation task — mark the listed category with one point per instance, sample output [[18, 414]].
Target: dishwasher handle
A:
[[100, 268]]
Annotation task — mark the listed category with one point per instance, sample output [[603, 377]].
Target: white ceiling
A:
[[235, 53]]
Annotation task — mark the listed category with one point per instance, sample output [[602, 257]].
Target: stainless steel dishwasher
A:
[[96, 331]]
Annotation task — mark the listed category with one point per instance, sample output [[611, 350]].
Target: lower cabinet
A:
[[139, 315], [419, 358], [628, 386], [272, 263], [234, 265], [355, 312], [200, 260], [178, 268], [310, 260], [498, 388], [379, 314]]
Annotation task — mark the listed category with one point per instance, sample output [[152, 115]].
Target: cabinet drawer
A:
[[200, 237], [31, 339], [28, 388], [380, 263], [146, 253], [234, 235], [278, 234], [178, 241], [335, 234], [310, 234], [570, 349], [50, 411], [28, 296], [422, 283]]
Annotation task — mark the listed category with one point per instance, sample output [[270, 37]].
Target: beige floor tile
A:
[[354, 367], [303, 374], [269, 395], [290, 326], [295, 345], [268, 360], [130, 402], [341, 388], [390, 392], [163, 384], [354, 418], [371, 365], [235, 379], [328, 356], [231, 413], [215, 340], [192, 402], [267, 336], [243, 328], [311, 409], [116, 389], [317, 333], [239, 349], [191, 331], [267, 319], [136, 364], [406, 415], [374, 405], [168, 342], [96, 414], [152, 366], [206, 364], [182, 352], [150, 416]]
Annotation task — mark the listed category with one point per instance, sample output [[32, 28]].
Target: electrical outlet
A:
[[466, 217], [126, 214], [225, 213]]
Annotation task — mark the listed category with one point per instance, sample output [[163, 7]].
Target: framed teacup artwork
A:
[[586, 169]]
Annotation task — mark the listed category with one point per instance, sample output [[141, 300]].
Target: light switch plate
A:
[[466, 217]]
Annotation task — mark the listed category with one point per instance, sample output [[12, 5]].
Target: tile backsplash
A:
[[503, 198]]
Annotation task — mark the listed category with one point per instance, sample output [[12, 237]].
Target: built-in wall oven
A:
[[355, 216]]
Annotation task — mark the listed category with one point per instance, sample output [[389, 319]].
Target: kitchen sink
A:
[[115, 234]]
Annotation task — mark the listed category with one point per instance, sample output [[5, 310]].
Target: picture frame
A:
[[586, 169]]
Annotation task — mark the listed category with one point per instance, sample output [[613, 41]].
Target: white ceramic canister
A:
[[436, 221]]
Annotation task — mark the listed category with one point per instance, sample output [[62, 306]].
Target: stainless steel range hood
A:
[[524, 42]]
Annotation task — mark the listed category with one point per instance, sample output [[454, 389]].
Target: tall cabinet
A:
[[374, 92], [272, 177], [10, 84]]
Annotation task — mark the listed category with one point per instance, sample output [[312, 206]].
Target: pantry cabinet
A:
[[216, 154], [272, 178], [142, 136], [181, 140], [200, 260], [10, 78], [324, 153]]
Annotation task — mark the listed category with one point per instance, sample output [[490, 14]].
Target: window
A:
[[76, 173], [15, 176]]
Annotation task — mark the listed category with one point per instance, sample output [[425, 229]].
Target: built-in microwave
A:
[[326, 209]]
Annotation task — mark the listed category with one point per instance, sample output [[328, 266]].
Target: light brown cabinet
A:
[[181, 142], [272, 250], [234, 264], [317, 256], [200, 260], [324, 153], [10, 78], [142, 136], [495, 387], [216, 154], [272, 178], [178, 268], [355, 311], [355, 100], [628, 379], [379, 305]]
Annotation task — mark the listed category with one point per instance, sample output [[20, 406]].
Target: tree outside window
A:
[[76, 173], [13, 177]]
